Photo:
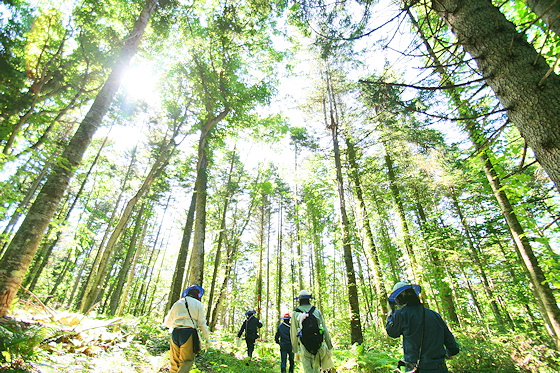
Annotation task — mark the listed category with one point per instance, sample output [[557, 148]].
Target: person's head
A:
[[286, 317], [304, 297], [250, 313], [404, 293], [193, 291]]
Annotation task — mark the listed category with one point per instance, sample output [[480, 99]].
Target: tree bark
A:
[[548, 11], [356, 335], [521, 79], [19, 254]]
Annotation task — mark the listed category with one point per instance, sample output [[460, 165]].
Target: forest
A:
[[257, 148]]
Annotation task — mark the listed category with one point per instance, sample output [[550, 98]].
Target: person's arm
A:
[[277, 335], [451, 345], [242, 329], [170, 318], [293, 334], [200, 319], [393, 327], [326, 334]]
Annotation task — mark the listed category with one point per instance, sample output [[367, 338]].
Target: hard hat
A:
[[286, 316], [399, 287]]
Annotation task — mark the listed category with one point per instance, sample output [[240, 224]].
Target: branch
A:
[[450, 86]]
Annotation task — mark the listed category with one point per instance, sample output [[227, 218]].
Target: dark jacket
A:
[[282, 337], [250, 326], [438, 340]]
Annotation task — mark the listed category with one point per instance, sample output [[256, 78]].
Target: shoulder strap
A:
[[423, 332], [189, 311], [312, 310]]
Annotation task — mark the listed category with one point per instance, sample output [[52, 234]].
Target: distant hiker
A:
[[310, 336], [427, 340], [282, 337], [250, 325], [184, 318]]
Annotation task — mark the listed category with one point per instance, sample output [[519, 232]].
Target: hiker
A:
[[250, 325], [282, 337], [314, 345], [184, 318], [427, 340]]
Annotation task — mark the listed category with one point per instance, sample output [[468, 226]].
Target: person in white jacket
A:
[[184, 319]]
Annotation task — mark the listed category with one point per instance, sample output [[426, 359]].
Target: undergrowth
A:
[[142, 345]]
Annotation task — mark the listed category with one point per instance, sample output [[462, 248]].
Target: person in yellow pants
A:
[[185, 318]]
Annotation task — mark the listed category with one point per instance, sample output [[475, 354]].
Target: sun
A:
[[140, 83]]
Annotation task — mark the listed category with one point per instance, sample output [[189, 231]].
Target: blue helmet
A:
[[399, 288], [194, 291]]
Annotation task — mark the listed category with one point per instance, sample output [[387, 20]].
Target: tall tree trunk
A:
[[196, 264], [19, 254], [522, 80], [356, 335]]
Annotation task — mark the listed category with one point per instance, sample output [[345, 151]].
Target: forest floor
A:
[[32, 341]]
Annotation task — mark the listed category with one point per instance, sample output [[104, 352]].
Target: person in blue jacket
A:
[[282, 337], [427, 341]]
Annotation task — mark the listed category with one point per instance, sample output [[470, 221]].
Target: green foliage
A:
[[151, 334], [19, 342]]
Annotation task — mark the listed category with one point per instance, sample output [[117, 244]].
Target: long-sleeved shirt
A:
[[179, 316], [282, 336], [438, 340], [295, 327], [250, 326]]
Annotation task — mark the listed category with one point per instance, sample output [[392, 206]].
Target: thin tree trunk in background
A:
[[371, 251], [261, 233], [476, 259], [279, 257], [177, 282], [221, 236], [438, 270], [126, 265], [232, 245], [413, 264], [22, 207], [521, 79], [19, 254], [157, 168], [123, 301]]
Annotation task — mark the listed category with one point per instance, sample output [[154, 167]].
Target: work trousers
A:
[[285, 355], [181, 351], [250, 345]]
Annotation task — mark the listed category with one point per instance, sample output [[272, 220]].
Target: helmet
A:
[[286, 316], [194, 290], [399, 287], [250, 312], [304, 294]]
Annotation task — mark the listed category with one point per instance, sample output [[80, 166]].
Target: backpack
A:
[[310, 335]]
